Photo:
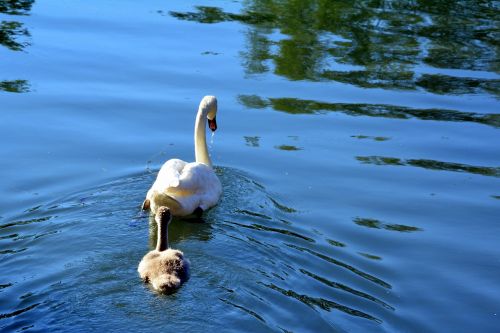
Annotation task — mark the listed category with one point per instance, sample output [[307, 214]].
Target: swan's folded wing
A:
[[169, 174], [194, 177]]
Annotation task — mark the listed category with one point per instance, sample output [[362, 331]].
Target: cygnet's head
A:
[[163, 215], [209, 104]]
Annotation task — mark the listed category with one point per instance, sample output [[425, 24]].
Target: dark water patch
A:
[[374, 138], [210, 53], [2, 252], [15, 86], [25, 328], [5, 285], [27, 295], [18, 312], [36, 236], [401, 228], [300, 106], [335, 243], [9, 236], [254, 214], [29, 210], [467, 30], [321, 303], [376, 224], [336, 262], [253, 101], [16, 7], [496, 197], [288, 148], [347, 289], [402, 80], [252, 141], [434, 83], [25, 222], [242, 308], [370, 256], [449, 85], [282, 207], [208, 14], [259, 243], [11, 32], [431, 165]]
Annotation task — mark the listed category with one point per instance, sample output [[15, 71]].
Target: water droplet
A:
[[212, 140]]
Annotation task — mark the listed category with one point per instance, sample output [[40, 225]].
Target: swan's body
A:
[[188, 188], [164, 268]]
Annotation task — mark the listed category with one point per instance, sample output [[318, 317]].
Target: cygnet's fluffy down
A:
[[165, 269]]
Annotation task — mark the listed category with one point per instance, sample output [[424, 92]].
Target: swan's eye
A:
[[212, 124]]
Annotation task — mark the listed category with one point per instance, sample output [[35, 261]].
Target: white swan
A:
[[189, 188], [164, 268]]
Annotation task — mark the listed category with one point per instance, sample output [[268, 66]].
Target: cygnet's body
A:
[[164, 268]]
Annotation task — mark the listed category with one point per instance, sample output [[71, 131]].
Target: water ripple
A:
[[271, 229], [345, 288], [250, 312], [25, 222], [376, 224], [18, 312], [322, 303], [342, 264]]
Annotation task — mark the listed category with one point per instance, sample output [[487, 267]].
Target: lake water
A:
[[358, 147]]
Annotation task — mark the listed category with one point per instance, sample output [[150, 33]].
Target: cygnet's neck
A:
[[200, 141], [162, 243]]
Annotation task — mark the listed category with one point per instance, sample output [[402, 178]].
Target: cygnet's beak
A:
[[212, 124]]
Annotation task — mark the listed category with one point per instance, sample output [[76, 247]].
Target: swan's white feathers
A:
[[183, 187], [169, 174]]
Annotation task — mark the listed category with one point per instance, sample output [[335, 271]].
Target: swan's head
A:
[[163, 215], [209, 105]]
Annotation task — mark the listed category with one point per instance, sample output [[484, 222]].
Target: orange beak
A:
[[212, 124]]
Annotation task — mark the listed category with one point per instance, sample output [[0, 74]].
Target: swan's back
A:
[[183, 187]]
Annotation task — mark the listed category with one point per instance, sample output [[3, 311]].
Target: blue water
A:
[[357, 145]]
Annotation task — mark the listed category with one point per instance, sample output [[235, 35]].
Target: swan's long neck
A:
[[200, 141], [162, 243]]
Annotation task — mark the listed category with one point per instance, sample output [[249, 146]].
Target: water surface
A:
[[357, 147]]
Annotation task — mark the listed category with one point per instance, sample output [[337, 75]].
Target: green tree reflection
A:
[[376, 224], [16, 7], [10, 33], [371, 44], [431, 165], [15, 37], [300, 106], [15, 86]]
